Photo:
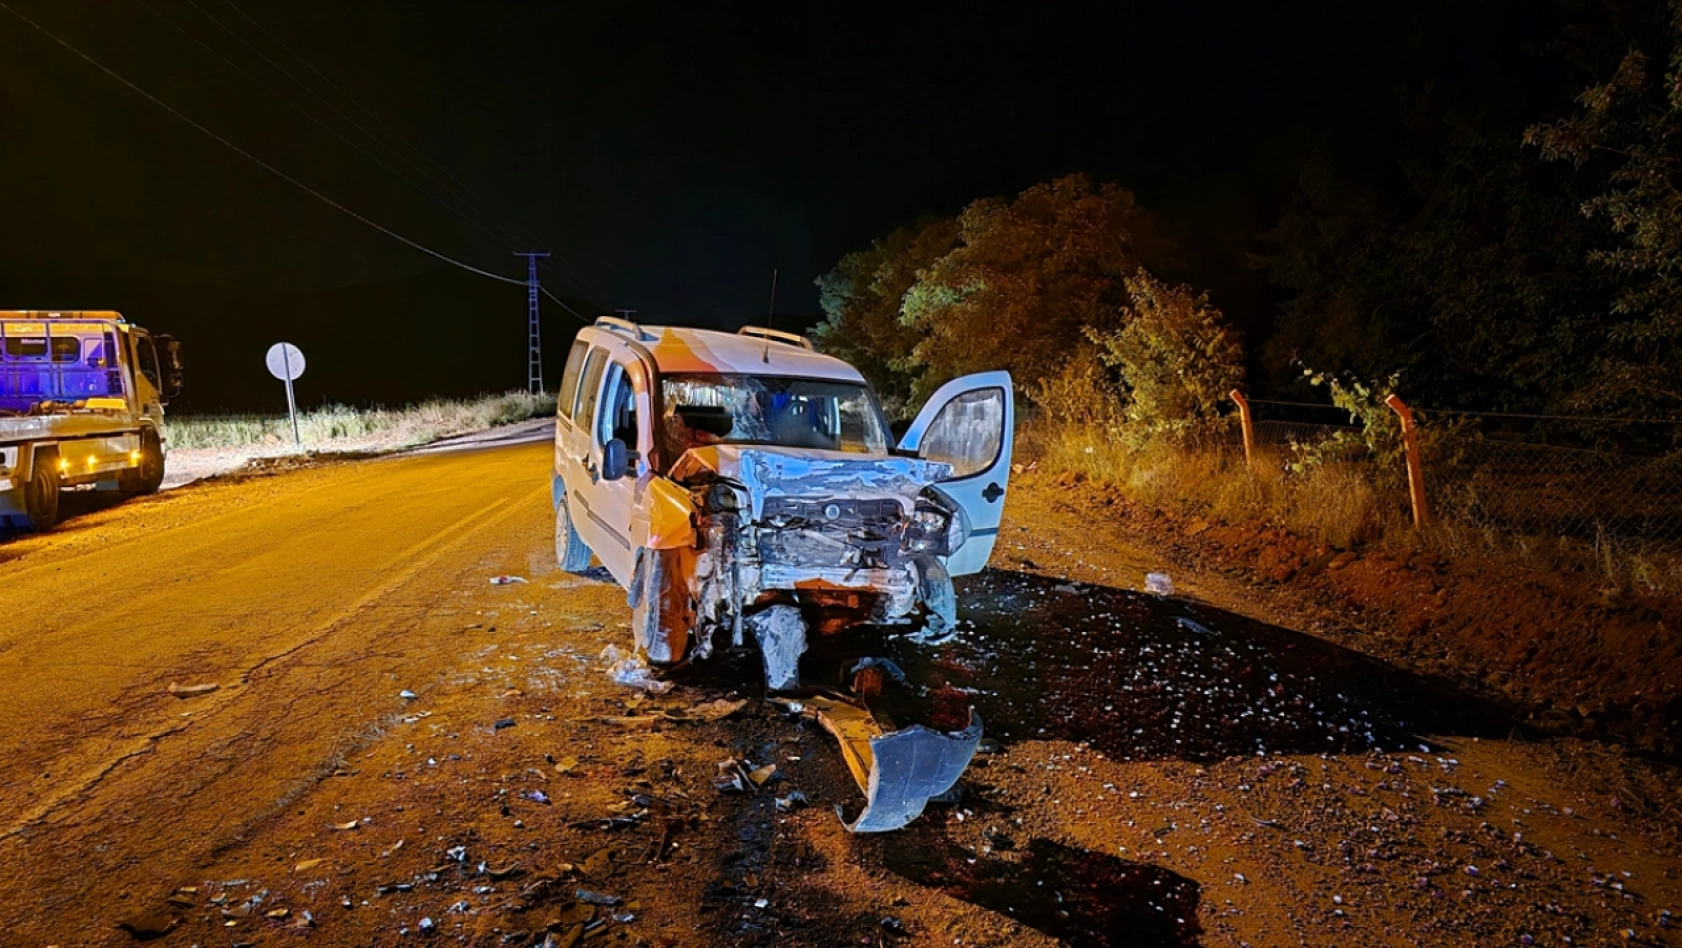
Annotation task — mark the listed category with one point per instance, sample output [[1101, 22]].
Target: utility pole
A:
[[534, 338]]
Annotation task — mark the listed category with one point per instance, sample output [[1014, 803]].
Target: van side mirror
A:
[[170, 352], [615, 458]]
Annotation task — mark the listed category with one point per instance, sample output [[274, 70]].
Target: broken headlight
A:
[[938, 525]]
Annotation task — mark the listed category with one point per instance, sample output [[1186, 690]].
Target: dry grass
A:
[[1343, 503], [338, 425], [1333, 502]]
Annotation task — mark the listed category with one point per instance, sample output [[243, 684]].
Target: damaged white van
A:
[[744, 485]]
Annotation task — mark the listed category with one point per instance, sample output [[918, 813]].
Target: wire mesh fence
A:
[[1601, 496], [1604, 486]]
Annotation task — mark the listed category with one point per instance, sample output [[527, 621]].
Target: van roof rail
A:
[[777, 335], [617, 324]]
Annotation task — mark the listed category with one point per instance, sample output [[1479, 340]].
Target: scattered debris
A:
[[153, 924], [349, 825], [596, 898], [506, 580], [794, 801], [1158, 584], [307, 865], [502, 723], [1191, 626], [632, 672], [191, 691], [716, 710], [407, 695], [536, 796]]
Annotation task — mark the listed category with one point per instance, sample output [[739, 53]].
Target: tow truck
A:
[[81, 407]]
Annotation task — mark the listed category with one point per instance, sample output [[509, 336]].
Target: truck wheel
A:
[[657, 610], [148, 476], [571, 552], [40, 496]]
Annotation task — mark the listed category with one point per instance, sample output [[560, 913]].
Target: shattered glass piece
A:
[[909, 767]]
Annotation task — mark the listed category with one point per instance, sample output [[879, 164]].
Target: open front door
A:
[[970, 424]]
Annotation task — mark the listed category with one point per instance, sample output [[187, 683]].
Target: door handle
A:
[[992, 492], [589, 468]]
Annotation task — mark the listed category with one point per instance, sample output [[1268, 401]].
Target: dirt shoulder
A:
[[1571, 657], [443, 760]]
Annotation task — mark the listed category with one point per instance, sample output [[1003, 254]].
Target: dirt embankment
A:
[[1573, 657]]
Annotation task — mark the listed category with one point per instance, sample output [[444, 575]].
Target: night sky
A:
[[670, 154]]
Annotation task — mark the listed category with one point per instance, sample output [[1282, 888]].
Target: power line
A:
[[253, 158], [309, 115], [336, 111], [562, 304], [366, 111], [579, 272]]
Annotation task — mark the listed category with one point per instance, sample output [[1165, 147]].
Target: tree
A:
[[1176, 356], [861, 300], [1629, 130], [1027, 276], [1456, 262]]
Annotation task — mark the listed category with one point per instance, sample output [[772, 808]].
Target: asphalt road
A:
[[301, 596]]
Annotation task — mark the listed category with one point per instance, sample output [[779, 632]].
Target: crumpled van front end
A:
[[841, 538]]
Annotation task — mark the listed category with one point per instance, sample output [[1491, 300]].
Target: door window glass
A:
[[591, 385], [568, 394], [148, 359], [618, 416], [967, 432]]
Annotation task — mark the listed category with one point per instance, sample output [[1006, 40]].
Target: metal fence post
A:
[[1249, 426], [1416, 467]]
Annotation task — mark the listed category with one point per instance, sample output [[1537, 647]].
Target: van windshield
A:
[[699, 410]]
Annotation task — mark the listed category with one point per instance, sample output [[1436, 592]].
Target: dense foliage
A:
[[1515, 245]]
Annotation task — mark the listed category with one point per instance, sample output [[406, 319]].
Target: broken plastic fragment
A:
[[1158, 584], [191, 691], [148, 924], [1197, 627], [781, 634], [506, 580], [632, 672], [595, 898], [899, 771], [716, 710]]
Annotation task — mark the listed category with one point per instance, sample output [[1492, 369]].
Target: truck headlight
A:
[[938, 525]]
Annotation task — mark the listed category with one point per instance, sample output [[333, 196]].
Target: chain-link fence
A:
[[1604, 487], [1598, 495]]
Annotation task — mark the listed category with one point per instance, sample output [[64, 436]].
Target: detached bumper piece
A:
[[899, 771]]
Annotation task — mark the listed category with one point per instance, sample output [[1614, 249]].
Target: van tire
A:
[[572, 554], [658, 616]]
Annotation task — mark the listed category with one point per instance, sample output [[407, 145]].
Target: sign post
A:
[[286, 363]]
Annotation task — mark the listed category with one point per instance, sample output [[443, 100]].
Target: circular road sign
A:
[[285, 361]]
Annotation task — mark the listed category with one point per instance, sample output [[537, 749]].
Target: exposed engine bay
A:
[[780, 547]]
